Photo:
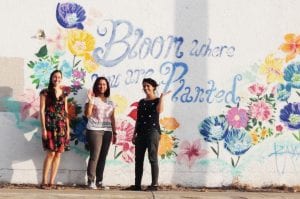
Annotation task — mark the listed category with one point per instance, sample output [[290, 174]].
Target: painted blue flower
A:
[[283, 92], [70, 15], [292, 74], [79, 129], [290, 115], [66, 69], [213, 128], [237, 141], [43, 71]]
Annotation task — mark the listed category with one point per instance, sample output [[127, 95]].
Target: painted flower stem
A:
[[74, 61], [297, 136], [216, 151], [236, 163]]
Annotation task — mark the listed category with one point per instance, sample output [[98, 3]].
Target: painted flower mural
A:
[[214, 129], [237, 118], [124, 146], [190, 152], [291, 46], [237, 142], [168, 140], [70, 15]]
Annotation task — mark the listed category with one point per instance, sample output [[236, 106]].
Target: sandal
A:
[[44, 186], [52, 186]]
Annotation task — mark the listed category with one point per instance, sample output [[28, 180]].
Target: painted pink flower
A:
[[57, 42], [76, 83], [257, 89], [279, 127], [237, 118], [260, 110], [78, 74], [189, 153], [124, 140], [30, 104]]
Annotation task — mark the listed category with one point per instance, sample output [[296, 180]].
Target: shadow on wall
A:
[[191, 22], [4, 92]]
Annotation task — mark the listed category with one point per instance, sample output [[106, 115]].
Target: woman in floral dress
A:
[[55, 126]]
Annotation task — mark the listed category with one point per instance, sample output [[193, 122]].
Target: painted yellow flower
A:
[[264, 133], [121, 104], [165, 144], [272, 68], [255, 137], [169, 123], [89, 64], [80, 42]]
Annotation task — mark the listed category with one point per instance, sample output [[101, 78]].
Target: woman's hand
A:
[[90, 96], [68, 135], [133, 139], [164, 94], [114, 138], [44, 134]]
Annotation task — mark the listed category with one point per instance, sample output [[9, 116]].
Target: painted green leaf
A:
[[42, 52]]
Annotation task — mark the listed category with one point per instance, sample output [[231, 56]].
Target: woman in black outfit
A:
[[147, 133]]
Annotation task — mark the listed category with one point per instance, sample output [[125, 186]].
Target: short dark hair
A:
[[96, 90], [150, 81]]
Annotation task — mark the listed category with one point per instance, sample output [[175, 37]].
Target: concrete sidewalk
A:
[[111, 194]]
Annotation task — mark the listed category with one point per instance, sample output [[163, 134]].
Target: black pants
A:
[[99, 142], [145, 141]]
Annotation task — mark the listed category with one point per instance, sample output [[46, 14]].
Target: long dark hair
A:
[[51, 91], [96, 89]]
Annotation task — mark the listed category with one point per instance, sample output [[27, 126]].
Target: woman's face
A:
[[102, 86], [56, 79], [148, 88]]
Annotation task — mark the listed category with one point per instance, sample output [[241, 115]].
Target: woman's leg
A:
[[103, 153], [140, 149], [55, 165], [153, 143], [46, 167], [94, 139]]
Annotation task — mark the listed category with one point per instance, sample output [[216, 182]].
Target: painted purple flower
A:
[[70, 15], [237, 118], [290, 115]]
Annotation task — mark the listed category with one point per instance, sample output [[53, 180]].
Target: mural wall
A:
[[233, 69]]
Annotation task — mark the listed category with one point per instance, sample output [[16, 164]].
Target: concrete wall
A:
[[233, 114]]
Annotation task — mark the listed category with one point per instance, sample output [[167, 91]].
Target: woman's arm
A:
[[113, 122], [88, 109], [67, 119], [89, 105], [160, 105], [42, 115], [113, 126]]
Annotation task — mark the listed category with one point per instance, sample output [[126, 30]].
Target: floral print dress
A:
[[56, 122]]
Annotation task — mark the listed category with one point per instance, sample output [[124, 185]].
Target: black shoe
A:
[[152, 188], [134, 188]]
